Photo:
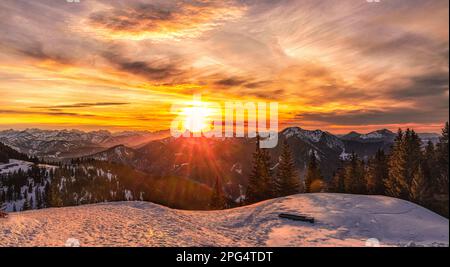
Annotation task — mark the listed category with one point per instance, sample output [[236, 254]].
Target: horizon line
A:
[[391, 129]]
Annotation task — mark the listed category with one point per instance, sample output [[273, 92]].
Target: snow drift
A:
[[341, 220]]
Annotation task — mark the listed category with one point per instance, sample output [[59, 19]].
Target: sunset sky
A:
[[120, 65]]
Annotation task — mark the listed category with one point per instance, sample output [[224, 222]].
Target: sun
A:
[[196, 118]]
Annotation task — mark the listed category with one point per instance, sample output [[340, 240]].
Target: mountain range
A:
[[203, 159], [158, 153], [58, 144], [197, 161]]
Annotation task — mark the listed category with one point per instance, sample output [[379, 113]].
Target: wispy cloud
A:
[[376, 116], [83, 105], [56, 113], [161, 19]]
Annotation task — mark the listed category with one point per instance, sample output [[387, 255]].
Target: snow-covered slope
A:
[[341, 220], [15, 165]]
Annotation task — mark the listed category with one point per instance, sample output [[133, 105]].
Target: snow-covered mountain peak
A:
[[374, 136], [379, 134], [313, 136]]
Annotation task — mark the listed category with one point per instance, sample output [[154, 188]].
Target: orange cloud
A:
[[161, 21]]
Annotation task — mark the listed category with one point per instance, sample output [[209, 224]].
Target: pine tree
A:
[[338, 181], [419, 190], [397, 183], [2, 197], [377, 172], [441, 194], [47, 198], [442, 160], [55, 194], [38, 198], [313, 178], [218, 200], [429, 168], [414, 153], [269, 186], [405, 160], [31, 202], [354, 176], [254, 187], [26, 205], [287, 182], [260, 185], [2, 207]]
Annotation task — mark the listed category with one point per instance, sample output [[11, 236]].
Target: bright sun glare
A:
[[196, 118]]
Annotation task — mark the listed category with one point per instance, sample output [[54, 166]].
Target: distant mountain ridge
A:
[[59, 144], [375, 136], [72, 143]]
